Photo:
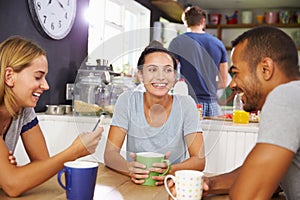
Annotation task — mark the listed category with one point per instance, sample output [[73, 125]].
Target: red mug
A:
[[214, 18]]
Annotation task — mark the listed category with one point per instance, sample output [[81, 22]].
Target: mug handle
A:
[[169, 176], [168, 169], [59, 179]]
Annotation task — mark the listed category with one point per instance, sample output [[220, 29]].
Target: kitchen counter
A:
[[214, 124], [226, 144], [220, 125]]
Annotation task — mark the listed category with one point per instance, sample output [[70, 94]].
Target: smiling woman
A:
[[23, 70], [152, 120]]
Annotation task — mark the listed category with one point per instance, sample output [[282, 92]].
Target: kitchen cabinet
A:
[[226, 144], [61, 130], [228, 32]]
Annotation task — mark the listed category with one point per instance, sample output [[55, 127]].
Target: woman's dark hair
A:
[[268, 41], [154, 47]]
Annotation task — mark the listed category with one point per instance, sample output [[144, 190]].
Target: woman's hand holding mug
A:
[[149, 168]]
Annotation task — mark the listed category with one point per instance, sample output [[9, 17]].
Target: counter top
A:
[[71, 118], [207, 124], [219, 125], [226, 144]]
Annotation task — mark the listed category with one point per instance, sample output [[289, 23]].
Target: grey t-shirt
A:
[[183, 120], [24, 121], [280, 125]]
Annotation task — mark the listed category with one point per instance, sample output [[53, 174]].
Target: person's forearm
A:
[[221, 85], [192, 163], [116, 162], [221, 184], [29, 176], [222, 76]]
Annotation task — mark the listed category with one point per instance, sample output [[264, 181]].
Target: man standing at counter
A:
[[265, 69], [203, 60]]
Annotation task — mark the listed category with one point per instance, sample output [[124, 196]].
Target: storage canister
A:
[[247, 17]]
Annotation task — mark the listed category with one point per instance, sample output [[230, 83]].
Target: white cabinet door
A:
[[227, 145], [60, 132]]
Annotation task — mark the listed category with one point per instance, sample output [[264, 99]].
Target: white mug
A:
[[188, 184]]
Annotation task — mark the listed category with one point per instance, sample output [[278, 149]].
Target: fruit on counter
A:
[[226, 116]]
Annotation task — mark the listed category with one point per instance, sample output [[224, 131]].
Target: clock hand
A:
[[50, 1], [60, 4]]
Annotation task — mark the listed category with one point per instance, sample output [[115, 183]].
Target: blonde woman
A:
[[24, 67]]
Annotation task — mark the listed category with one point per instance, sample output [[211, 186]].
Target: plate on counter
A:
[[253, 118]]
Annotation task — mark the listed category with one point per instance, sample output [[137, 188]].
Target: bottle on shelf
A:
[[239, 115], [199, 107]]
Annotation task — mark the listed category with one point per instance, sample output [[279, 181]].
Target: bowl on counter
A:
[[59, 109]]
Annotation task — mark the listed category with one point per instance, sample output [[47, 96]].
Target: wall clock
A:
[[53, 18]]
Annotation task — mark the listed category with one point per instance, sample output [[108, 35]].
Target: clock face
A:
[[54, 18]]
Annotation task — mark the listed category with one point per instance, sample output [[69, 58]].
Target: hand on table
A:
[[205, 186]]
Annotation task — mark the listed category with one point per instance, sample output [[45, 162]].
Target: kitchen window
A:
[[123, 24]]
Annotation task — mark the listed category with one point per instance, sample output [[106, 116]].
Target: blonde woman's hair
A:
[[18, 53]]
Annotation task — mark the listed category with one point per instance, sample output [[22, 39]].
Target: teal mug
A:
[[148, 158]]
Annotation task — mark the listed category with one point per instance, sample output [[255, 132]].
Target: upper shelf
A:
[[219, 28], [251, 25]]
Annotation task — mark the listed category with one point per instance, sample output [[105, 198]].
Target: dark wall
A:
[[64, 56]]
